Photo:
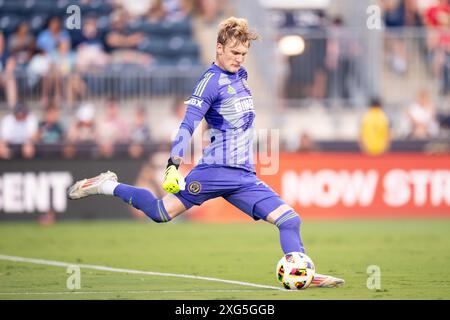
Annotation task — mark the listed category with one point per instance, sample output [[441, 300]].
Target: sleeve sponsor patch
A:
[[196, 102]]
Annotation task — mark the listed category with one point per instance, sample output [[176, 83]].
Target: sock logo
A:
[[130, 202], [194, 187]]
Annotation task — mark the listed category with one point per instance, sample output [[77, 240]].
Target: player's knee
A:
[[289, 221]]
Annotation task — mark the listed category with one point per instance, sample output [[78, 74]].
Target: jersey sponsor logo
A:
[[194, 187], [231, 90], [194, 102], [244, 105]]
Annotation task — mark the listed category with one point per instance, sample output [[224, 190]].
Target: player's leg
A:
[[159, 210], [203, 183], [288, 222], [285, 219], [260, 202]]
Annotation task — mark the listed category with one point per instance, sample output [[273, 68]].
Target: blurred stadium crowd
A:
[[56, 69], [335, 49], [343, 67], [51, 76], [114, 36]]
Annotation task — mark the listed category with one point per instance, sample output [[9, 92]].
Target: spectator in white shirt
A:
[[422, 117], [18, 129]]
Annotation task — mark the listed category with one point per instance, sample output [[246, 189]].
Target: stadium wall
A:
[[318, 186], [350, 185], [31, 188]]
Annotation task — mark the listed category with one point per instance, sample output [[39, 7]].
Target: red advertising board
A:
[[346, 185]]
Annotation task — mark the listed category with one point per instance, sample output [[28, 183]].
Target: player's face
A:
[[231, 56]]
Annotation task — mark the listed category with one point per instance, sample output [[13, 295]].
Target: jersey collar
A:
[[216, 67]]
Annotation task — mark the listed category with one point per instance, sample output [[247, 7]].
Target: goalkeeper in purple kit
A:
[[221, 97]]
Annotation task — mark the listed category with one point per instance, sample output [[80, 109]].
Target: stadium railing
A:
[[121, 82], [346, 66]]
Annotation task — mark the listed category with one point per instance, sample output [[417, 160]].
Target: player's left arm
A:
[[173, 179], [203, 96]]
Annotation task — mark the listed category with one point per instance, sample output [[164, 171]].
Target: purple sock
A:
[[143, 200], [289, 226]]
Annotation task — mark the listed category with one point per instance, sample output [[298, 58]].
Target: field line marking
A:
[[120, 270], [131, 292]]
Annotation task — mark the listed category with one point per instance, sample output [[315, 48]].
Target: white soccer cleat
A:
[[88, 187], [324, 281]]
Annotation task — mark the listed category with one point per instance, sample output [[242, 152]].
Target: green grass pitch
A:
[[413, 256]]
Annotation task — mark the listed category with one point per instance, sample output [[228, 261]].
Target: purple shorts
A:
[[240, 187]]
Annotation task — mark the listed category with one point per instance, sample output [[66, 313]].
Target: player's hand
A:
[[173, 180]]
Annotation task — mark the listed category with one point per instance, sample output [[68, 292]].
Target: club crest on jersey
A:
[[194, 187], [194, 102]]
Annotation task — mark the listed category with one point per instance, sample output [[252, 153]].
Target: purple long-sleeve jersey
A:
[[225, 101]]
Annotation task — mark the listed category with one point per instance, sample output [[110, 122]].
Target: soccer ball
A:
[[295, 271]]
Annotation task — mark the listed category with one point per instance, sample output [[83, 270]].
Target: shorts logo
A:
[[194, 187]]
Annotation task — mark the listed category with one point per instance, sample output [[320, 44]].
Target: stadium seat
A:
[[136, 25], [182, 27], [180, 62], [166, 28], [11, 7], [62, 5], [103, 23], [154, 46], [150, 27], [26, 7], [165, 61], [9, 22], [99, 6], [187, 62], [188, 46], [45, 7], [37, 22]]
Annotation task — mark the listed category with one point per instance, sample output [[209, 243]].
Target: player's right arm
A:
[[201, 99]]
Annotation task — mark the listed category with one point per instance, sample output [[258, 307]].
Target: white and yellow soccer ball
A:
[[295, 271]]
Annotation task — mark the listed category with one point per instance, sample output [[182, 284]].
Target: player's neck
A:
[[215, 63]]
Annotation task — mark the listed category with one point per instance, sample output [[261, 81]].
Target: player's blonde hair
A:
[[235, 30]]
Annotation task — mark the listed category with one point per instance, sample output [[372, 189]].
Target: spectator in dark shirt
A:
[[21, 44], [140, 134], [122, 45], [343, 52], [90, 47], [50, 129]]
